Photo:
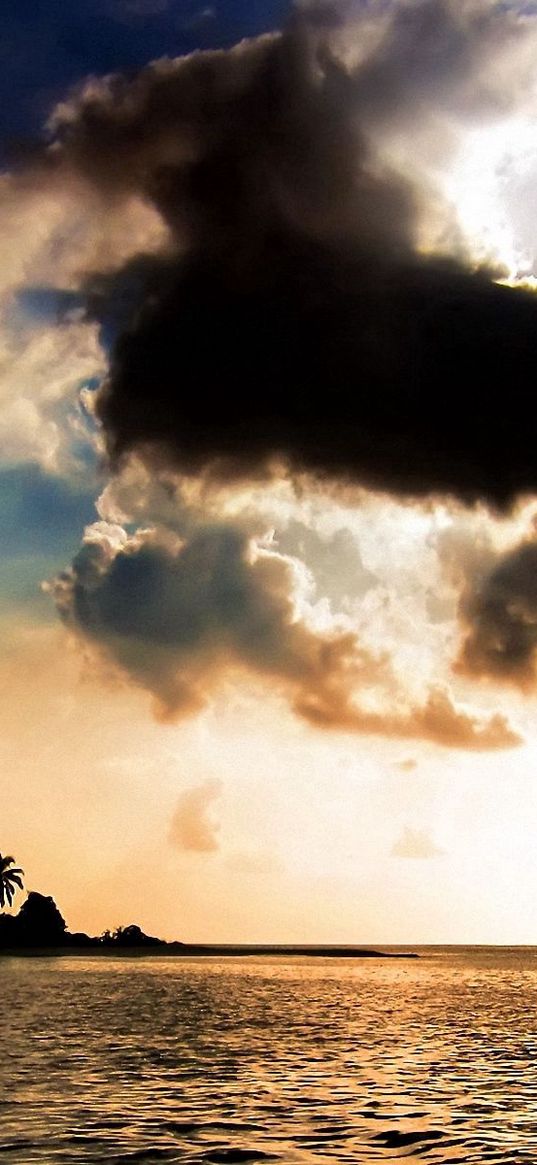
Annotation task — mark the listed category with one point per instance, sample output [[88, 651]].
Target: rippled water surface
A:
[[270, 1059]]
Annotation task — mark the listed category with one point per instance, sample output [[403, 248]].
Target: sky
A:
[[268, 520]]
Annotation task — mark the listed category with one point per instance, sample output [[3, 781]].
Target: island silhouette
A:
[[39, 928], [40, 924]]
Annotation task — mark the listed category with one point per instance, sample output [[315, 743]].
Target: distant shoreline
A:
[[192, 950]]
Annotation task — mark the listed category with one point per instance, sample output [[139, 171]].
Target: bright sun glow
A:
[[493, 188]]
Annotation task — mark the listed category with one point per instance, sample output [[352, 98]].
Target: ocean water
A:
[[270, 1059]]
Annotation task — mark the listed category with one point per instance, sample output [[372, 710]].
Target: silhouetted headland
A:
[[39, 928]]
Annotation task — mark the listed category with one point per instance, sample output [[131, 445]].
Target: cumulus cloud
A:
[[55, 228], [416, 844], [295, 315], [334, 559], [438, 720], [176, 615], [193, 827], [283, 289]]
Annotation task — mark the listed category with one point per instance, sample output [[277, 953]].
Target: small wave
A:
[[234, 1156], [17, 1146], [147, 1155], [393, 1139]]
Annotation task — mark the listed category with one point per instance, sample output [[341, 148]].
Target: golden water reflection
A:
[[270, 1059]]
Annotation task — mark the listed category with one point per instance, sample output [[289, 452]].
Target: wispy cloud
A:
[[416, 845], [193, 828], [409, 765]]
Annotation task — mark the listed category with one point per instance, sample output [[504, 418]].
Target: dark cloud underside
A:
[[175, 617], [416, 380]]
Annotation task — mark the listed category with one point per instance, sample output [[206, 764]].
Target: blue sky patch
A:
[[41, 520], [47, 46]]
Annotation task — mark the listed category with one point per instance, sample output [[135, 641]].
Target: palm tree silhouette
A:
[[9, 880]]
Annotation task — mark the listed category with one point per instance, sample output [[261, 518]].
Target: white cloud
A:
[[40, 378], [52, 233]]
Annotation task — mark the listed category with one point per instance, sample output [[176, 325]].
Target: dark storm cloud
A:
[[235, 147], [500, 619], [293, 316], [419, 382], [177, 617]]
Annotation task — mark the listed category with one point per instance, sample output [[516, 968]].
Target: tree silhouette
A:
[[9, 880], [39, 921]]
